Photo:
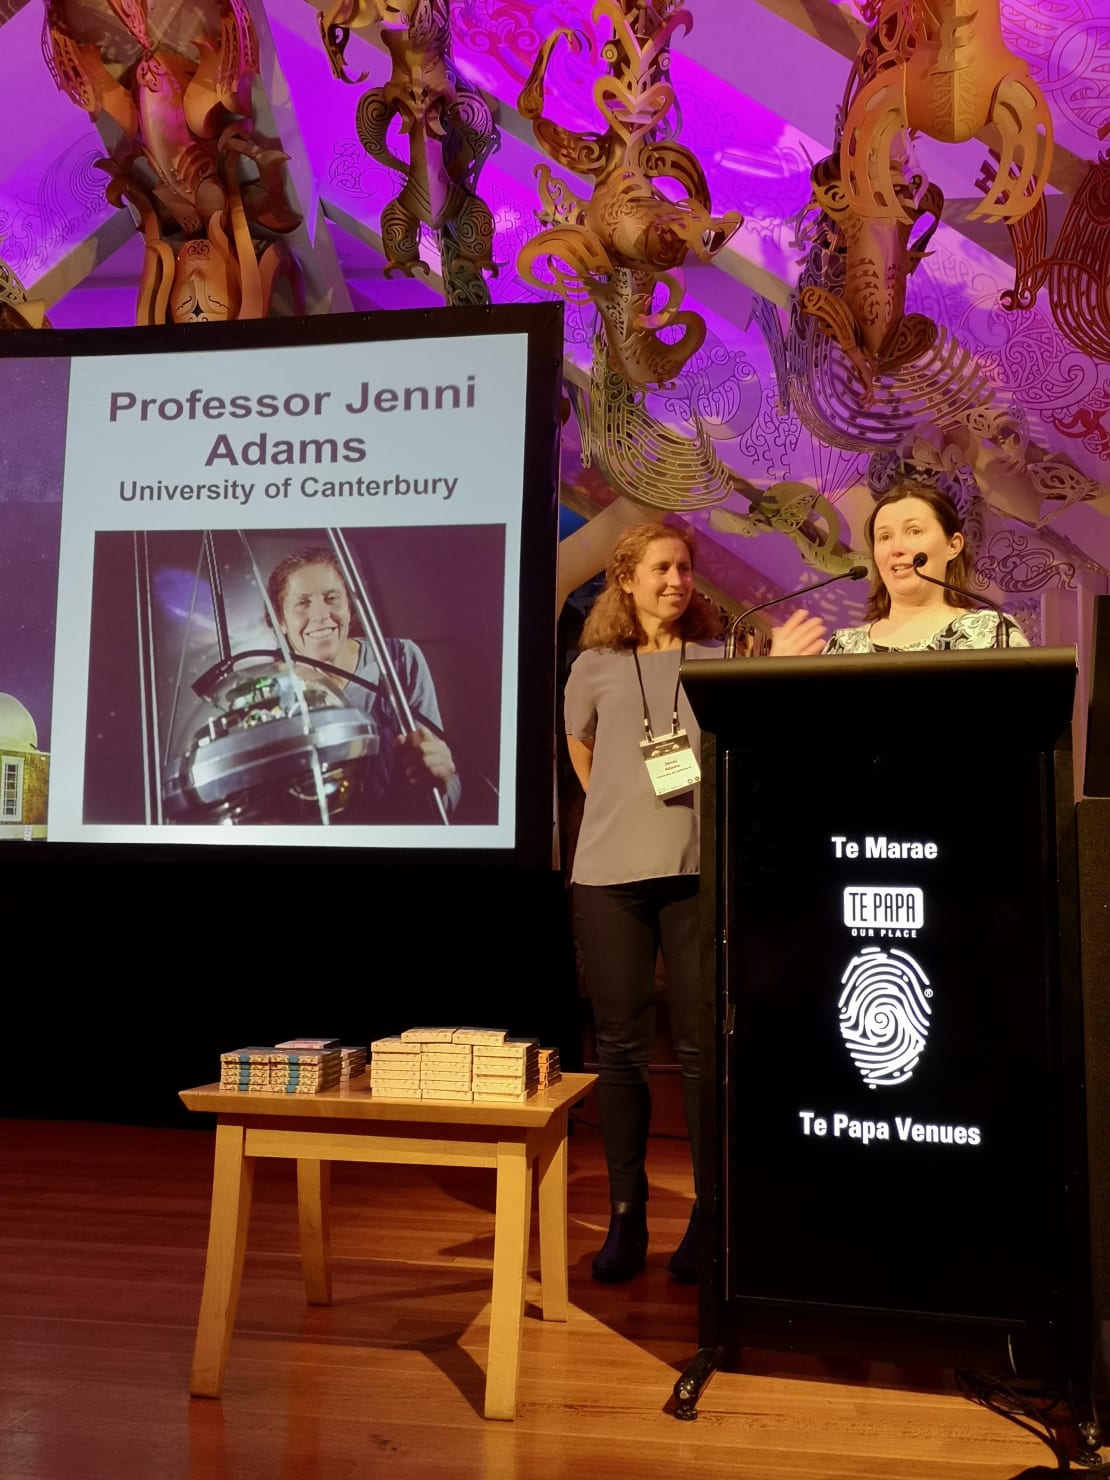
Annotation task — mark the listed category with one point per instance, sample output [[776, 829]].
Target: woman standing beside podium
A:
[[919, 598], [635, 747]]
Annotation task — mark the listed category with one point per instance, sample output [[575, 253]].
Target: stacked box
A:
[[279, 1070], [395, 1069], [507, 1071], [246, 1070], [457, 1063], [352, 1063], [297, 1071], [477, 1037], [445, 1070], [421, 1036], [549, 1071]]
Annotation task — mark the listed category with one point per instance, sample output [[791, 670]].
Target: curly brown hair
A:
[[958, 572], [613, 621]]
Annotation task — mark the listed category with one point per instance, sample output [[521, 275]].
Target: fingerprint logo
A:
[[884, 1014]]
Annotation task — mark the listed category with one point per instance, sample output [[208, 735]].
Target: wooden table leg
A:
[[232, 1181], [510, 1267], [552, 1171], [314, 1217]]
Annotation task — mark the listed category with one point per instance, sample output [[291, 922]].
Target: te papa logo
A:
[[885, 1011]]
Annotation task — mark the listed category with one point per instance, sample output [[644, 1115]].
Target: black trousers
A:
[[620, 929]]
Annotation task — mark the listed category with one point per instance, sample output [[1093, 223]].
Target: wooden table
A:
[[348, 1124]]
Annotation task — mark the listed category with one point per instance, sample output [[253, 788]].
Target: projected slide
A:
[[287, 590]]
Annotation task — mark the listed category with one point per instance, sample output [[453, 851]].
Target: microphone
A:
[[856, 573], [1001, 632]]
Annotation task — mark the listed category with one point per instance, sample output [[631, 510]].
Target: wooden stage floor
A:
[[102, 1243]]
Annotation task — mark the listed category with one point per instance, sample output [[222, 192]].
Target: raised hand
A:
[[800, 636]]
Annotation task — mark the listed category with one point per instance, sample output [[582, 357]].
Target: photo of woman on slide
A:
[[191, 637], [309, 597]]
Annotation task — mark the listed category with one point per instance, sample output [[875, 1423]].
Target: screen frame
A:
[[541, 324]]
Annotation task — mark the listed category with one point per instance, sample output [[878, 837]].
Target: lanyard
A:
[[643, 694]]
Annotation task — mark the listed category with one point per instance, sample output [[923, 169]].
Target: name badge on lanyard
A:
[[671, 764]]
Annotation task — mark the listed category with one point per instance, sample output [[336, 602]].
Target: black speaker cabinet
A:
[[1094, 913]]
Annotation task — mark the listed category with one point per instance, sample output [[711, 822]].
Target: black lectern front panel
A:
[[893, 1087], [890, 1083]]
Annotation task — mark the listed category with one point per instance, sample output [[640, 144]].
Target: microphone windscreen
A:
[[857, 572], [920, 559]]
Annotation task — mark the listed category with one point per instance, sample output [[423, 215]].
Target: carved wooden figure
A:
[[628, 240], [867, 318], [621, 250], [1077, 270], [184, 113], [450, 133], [942, 67], [17, 311]]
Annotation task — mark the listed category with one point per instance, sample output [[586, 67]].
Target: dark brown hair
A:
[[958, 572], [613, 621]]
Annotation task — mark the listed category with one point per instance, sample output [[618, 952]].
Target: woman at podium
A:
[[635, 747], [919, 591]]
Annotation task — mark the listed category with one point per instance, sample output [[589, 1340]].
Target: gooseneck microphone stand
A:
[[1001, 632], [856, 573]]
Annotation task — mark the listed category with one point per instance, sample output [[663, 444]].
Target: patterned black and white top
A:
[[971, 629]]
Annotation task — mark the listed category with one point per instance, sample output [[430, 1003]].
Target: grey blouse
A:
[[627, 833]]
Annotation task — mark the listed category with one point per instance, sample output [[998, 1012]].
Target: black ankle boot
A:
[[622, 1255], [683, 1263]]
